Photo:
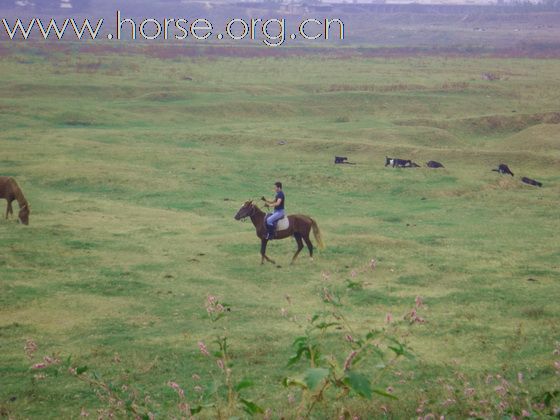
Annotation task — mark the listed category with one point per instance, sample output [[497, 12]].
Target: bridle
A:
[[253, 211]]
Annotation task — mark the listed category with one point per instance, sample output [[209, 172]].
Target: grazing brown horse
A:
[[300, 228], [10, 190]]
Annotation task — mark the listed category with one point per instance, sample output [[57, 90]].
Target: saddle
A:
[[282, 224]]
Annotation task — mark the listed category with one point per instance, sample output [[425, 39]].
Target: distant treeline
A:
[[545, 5]]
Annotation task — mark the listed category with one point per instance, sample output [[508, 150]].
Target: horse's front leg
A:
[[263, 252]]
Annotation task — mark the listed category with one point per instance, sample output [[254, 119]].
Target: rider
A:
[[278, 205]]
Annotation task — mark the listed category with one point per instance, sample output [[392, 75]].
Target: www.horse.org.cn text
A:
[[271, 32]]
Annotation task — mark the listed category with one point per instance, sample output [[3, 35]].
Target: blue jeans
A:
[[277, 215]]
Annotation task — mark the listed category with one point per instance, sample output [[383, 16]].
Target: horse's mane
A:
[[258, 208], [18, 194]]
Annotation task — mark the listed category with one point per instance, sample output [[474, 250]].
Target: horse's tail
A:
[[317, 234]]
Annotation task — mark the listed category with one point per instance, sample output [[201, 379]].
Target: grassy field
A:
[[135, 166]]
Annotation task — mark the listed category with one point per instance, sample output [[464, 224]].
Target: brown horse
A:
[[10, 190], [300, 228]]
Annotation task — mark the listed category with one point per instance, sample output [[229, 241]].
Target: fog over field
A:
[[518, 27], [135, 292]]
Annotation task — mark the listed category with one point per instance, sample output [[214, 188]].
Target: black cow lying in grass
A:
[[400, 163], [503, 169], [434, 164], [342, 159], [531, 182]]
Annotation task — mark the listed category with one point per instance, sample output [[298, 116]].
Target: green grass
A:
[[134, 175]]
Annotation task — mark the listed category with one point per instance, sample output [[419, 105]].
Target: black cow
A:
[[342, 159], [503, 169], [434, 164], [399, 163], [531, 182]]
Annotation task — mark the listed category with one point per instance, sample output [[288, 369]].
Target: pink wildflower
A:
[[51, 361], [84, 413], [389, 318], [203, 348], [220, 363], [177, 388], [525, 413], [30, 348], [353, 273], [419, 302], [39, 365], [349, 359], [195, 377], [212, 305], [349, 338]]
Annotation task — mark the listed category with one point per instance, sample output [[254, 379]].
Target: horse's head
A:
[[246, 210], [23, 215]]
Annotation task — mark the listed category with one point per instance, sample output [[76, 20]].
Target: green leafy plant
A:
[[330, 376]]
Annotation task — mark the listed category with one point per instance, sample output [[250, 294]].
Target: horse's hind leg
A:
[[299, 246], [309, 246]]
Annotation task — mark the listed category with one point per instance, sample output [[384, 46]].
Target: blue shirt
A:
[[280, 195]]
